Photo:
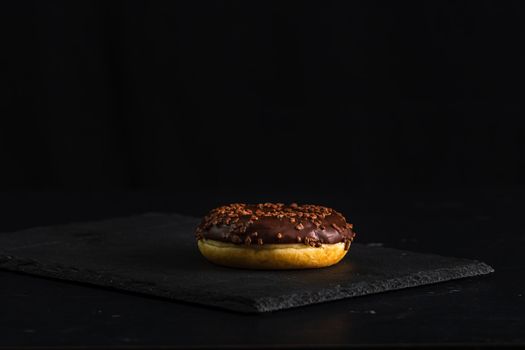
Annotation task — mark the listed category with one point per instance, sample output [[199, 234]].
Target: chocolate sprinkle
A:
[[275, 224]]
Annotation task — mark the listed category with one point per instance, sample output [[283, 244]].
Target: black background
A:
[[405, 116], [252, 95]]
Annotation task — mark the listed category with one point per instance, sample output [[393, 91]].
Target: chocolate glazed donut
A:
[[274, 236]]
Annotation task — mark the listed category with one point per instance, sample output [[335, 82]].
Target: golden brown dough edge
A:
[[272, 256]]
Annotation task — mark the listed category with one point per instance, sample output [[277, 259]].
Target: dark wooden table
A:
[[481, 224]]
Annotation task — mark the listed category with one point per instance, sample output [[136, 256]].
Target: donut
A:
[[274, 236]]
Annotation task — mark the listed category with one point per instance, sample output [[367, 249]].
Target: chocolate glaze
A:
[[255, 224]]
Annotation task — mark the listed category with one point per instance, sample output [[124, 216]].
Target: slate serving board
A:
[[156, 254]]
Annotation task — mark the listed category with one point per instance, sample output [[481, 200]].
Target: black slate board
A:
[[156, 254]]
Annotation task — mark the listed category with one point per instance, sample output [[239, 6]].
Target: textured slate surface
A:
[[156, 254]]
